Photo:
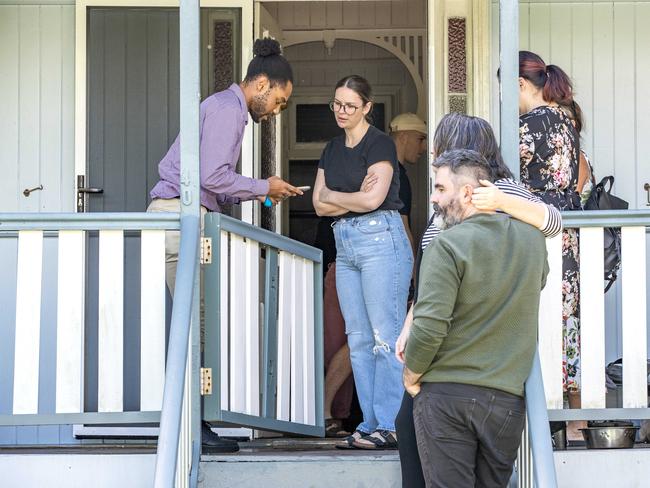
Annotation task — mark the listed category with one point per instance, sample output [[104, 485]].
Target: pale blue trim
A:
[[266, 237], [600, 414], [509, 86], [89, 221], [606, 218], [538, 428], [81, 418]]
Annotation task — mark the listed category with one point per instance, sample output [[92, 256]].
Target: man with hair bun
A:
[[223, 117]]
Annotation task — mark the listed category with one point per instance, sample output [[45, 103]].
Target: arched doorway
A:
[[309, 124]]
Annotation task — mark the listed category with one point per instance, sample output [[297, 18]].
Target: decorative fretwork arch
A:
[[407, 45]]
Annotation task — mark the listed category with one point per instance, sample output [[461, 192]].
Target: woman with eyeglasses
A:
[[374, 258]]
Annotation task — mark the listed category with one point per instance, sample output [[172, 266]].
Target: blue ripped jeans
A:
[[373, 270]]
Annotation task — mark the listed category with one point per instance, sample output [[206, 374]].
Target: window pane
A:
[[315, 122]]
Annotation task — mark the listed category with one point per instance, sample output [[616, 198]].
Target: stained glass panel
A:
[[457, 55]]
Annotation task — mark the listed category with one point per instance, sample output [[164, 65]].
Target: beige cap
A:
[[408, 121]]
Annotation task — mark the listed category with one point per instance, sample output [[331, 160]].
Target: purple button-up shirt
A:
[[224, 116]]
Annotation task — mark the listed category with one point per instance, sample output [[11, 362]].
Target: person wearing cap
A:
[[409, 132]]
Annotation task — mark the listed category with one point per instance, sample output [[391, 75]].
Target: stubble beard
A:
[[258, 106], [447, 216]]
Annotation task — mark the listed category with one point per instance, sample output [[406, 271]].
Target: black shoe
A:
[[211, 443]]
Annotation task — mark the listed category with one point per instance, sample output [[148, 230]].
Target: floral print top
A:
[[549, 149], [549, 158]]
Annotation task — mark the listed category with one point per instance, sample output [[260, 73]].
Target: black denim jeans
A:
[[407, 444], [467, 435]]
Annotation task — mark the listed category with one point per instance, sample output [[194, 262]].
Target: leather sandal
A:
[[378, 440], [349, 441], [334, 428]]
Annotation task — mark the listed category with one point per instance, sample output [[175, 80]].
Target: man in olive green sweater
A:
[[474, 333]]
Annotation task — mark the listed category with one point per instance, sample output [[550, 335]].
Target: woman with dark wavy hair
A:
[[549, 151]]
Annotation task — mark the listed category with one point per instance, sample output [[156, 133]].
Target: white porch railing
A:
[[633, 323], [70, 231], [633, 320]]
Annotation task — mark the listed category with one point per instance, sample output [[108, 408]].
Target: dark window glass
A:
[[315, 122]]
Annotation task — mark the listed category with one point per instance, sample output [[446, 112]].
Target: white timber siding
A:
[[349, 15], [36, 148], [604, 49], [37, 103]]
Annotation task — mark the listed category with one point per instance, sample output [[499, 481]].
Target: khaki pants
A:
[[172, 245], [172, 237]]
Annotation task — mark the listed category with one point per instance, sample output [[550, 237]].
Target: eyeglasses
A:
[[348, 108]]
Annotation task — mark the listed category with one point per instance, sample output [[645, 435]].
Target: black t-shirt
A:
[[405, 192], [345, 167]]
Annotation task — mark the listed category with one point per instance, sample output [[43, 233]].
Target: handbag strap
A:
[[604, 181]]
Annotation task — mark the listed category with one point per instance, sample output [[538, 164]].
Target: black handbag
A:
[[601, 198]]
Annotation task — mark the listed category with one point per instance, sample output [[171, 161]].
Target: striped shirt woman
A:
[[551, 227]]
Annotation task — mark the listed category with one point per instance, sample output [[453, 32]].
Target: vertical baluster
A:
[[308, 349], [252, 328], [285, 309], [110, 321], [238, 283], [70, 332], [224, 319], [297, 332], [592, 318], [635, 349], [28, 321], [152, 319], [550, 326]]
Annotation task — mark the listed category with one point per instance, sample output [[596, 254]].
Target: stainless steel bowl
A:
[[609, 437]]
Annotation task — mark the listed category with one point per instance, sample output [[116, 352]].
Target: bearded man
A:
[[223, 117], [474, 332]]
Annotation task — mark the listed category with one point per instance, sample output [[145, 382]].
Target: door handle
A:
[[28, 191], [646, 187], [82, 190]]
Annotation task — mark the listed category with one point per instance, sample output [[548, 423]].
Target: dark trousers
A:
[[412, 476], [467, 435]]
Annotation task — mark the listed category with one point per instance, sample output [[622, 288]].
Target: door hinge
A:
[[206, 381], [206, 250]]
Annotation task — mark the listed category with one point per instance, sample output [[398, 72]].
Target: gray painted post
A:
[[509, 86], [170, 417], [190, 98], [538, 428], [187, 290], [539, 432]]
